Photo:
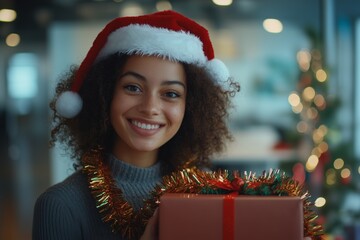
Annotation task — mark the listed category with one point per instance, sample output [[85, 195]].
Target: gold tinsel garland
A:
[[131, 224]]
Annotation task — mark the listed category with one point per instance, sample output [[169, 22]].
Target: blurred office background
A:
[[298, 63]]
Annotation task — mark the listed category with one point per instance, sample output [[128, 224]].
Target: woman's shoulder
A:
[[67, 210], [70, 199], [74, 187]]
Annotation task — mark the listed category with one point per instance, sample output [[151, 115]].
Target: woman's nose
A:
[[150, 105]]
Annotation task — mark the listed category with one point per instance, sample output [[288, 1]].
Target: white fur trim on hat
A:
[[148, 40], [218, 70], [68, 104]]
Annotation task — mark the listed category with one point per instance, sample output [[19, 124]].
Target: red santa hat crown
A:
[[167, 34]]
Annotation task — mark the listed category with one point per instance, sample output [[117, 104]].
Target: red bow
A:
[[235, 185]]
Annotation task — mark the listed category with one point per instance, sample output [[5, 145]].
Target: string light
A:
[[302, 127], [298, 108], [312, 113], [308, 102], [309, 93], [311, 163], [345, 173], [323, 146], [317, 136], [320, 202], [132, 9], [304, 59], [12, 40], [321, 75], [222, 2], [323, 129], [320, 102], [7, 15], [272, 25], [294, 99], [316, 151], [163, 5], [338, 163], [330, 176]]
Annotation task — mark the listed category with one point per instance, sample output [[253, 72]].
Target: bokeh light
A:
[[132, 9], [7, 15], [302, 127], [311, 163], [304, 58], [163, 5], [272, 25], [321, 75], [345, 173], [330, 176], [309, 93], [319, 101], [298, 108], [222, 2], [294, 99], [13, 39], [323, 146], [311, 113], [320, 202], [338, 163]]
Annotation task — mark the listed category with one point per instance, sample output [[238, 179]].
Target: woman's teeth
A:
[[145, 125]]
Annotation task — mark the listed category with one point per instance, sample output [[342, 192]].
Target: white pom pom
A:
[[68, 104], [218, 70]]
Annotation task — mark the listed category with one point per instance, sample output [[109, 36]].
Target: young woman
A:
[[148, 99]]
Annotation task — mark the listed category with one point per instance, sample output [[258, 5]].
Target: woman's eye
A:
[[132, 88], [172, 95]]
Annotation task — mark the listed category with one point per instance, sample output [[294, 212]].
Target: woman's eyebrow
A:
[[171, 82], [134, 74]]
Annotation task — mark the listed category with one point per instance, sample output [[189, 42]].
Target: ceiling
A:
[[35, 16]]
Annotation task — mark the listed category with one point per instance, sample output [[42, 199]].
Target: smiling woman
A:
[[145, 102]]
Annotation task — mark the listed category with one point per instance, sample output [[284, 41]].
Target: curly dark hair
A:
[[203, 131]]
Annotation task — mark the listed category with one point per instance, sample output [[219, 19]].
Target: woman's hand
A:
[[151, 230]]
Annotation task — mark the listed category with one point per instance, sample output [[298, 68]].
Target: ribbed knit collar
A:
[[123, 172]]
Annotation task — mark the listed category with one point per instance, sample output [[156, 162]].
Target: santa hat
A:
[[167, 34]]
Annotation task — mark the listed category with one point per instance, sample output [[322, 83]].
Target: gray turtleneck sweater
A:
[[67, 210]]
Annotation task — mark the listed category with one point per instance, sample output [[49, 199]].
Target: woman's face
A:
[[148, 104]]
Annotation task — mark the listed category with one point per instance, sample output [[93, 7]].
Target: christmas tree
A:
[[326, 164]]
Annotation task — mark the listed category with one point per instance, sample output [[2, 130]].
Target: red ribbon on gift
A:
[[229, 217], [229, 204]]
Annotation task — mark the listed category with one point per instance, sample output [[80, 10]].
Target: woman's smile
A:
[[145, 126], [145, 129]]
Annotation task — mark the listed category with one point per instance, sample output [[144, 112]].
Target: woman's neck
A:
[[141, 159]]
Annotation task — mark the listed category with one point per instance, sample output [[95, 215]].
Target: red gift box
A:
[[227, 217]]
